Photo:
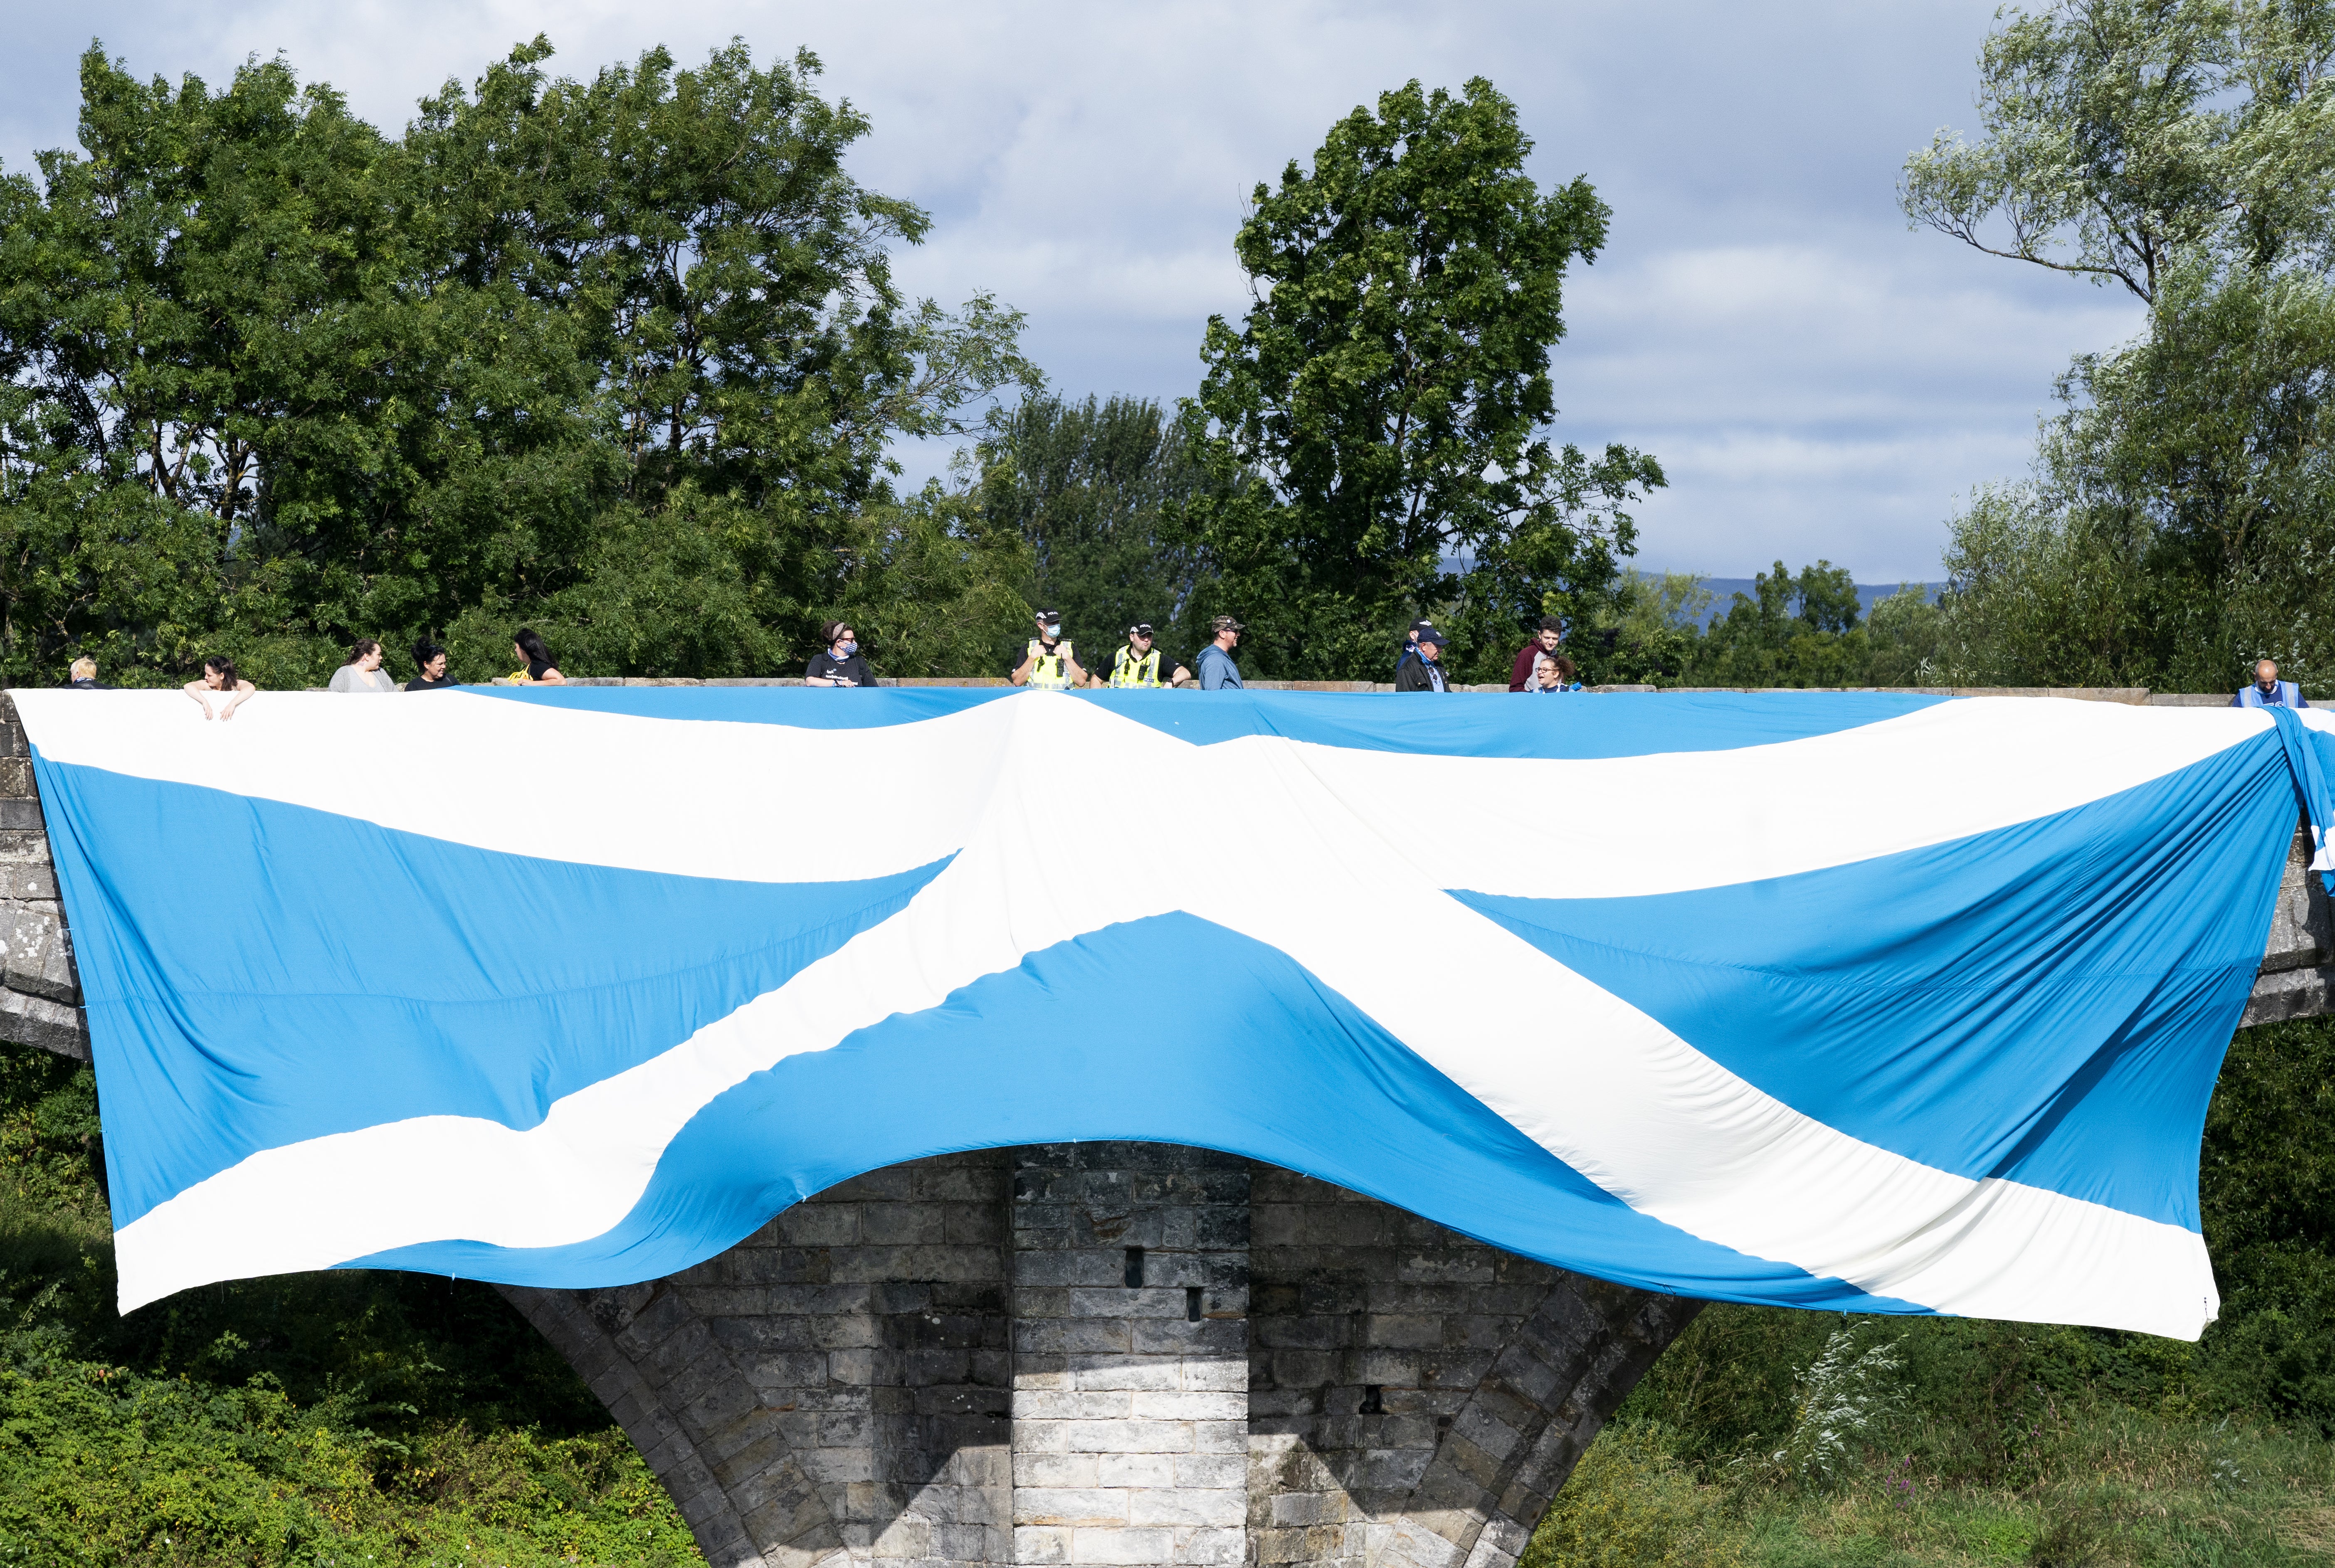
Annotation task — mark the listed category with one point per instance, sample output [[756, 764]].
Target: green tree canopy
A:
[[620, 357], [1379, 440], [2180, 510], [1089, 488], [2121, 134]]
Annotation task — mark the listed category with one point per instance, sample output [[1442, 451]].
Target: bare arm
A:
[[1021, 671], [243, 689], [552, 677], [200, 694]]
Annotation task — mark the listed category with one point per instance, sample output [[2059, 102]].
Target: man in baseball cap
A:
[[1218, 671], [1424, 673]]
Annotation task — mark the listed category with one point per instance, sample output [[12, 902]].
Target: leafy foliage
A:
[[2181, 519], [1090, 487], [1378, 439], [1631, 1503], [566, 352], [302, 1418], [2125, 135]]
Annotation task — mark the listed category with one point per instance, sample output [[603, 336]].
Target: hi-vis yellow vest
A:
[[1127, 670], [1047, 669]]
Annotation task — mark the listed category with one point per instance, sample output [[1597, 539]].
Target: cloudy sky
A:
[[1816, 379]]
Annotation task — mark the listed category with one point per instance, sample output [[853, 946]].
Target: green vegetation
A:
[[2176, 521], [619, 357], [311, 1419], [1768, 1439], [1379, 421]]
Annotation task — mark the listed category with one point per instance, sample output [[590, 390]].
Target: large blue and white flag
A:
[[1874, 1002]]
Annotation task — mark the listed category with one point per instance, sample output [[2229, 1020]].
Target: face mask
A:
[[1051, 633], [849, 649]]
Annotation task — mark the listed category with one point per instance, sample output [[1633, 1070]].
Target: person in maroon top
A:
[[1551, 633]]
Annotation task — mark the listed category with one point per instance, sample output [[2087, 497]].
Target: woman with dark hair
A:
[[219, 684], [838, 663], [528, 647], [362, 671], [430, 658]]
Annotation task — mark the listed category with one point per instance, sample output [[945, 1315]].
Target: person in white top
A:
[[221, 685], [363, 672]]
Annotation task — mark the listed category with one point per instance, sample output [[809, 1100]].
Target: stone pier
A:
[[1136, 1355]]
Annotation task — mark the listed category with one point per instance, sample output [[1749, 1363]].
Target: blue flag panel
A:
[[1874, 1002]]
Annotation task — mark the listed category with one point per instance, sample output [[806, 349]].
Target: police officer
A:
[[1050, 663], [1136, 661]]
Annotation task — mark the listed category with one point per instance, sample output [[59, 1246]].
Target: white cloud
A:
[[1817, 381]]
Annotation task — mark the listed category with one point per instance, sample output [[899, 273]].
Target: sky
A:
[[1816, 379]]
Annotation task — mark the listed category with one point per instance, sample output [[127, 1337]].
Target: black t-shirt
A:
[[824, 664], [423, 684]]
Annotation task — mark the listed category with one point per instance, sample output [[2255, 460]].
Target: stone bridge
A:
[[1102, 1353]]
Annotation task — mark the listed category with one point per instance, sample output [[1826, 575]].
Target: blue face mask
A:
[[849, 649]]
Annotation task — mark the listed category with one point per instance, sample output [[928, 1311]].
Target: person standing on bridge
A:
[[1552, 672], [1543, 642], [1425, 672], [430, 658], [1218, 671], [2268, 691], [839, 664], [218, 684], [1138, 663], [362, 671], [1050, 664], [530, 647]]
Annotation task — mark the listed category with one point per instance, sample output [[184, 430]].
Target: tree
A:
[[564, 351], [1087, 485], [2179, 514], [1378, 443], [2121, 134], [2182, 511]]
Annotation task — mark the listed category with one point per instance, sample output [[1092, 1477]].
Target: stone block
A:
[[1116, 1371], [1125, 1547], [1134, 1470], [1129, 1436], [1065, 1470], [1040, 1543], [1076, 1507], [1187, 1505], [1186, 1405], [1229, 1469], [1217, 1548]]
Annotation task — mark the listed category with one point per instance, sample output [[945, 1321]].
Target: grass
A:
[[2096, 1483]]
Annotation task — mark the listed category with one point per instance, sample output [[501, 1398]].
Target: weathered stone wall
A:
[[40, 993], [964, 1360], [835, 1387]]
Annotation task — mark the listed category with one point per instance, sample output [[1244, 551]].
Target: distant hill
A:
[[1724, 589]]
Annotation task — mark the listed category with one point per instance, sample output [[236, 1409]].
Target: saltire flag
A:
[[1858, 1001]]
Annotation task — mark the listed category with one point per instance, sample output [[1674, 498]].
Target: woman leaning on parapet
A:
[[530, 647], [220, 687], [840, 662], [362, 671]]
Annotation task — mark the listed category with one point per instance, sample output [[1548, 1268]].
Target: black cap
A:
[[1140, 629], [1427, 633]]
